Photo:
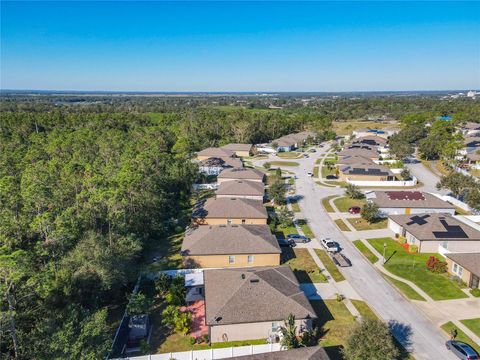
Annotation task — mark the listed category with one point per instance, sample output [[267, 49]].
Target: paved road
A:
[[428, 178], [412, 328]]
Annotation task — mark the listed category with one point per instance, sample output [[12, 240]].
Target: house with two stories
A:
[[365, 151], [228, 211], [240, 150], [241, 189], [215, 165], [429, 231], [241, 173], [252, 303], [408, 202], [224, 246]]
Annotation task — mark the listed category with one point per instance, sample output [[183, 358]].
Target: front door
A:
[[474, 282], [407, 211]]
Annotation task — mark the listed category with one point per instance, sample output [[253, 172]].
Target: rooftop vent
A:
[[253, 281]]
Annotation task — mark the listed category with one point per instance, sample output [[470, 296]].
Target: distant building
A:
[[243, 189], [367, 171], [408, 202], [240, 150], [213, 152], [241, 174], [214, 165], [292, 141]]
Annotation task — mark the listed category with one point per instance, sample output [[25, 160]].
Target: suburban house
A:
[[227, 211], [214, 165], [352, 159], [429, 231], [365, 151], [384, 133], [214, 152], [252, 303], [302, 353], [365, 171], [408, 202], [470, 129], [243, 189], [466, 266], [240, 150], [292, 141], [471, 152], [241, 174], [222, 246], [370, 140]]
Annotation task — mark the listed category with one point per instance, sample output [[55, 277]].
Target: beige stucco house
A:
[[466, 266], [223, 246], [228, 211], [243, 189], [241, 173], [214, 152], [252, 303], [365, 171], [240, 150], [429, 231]]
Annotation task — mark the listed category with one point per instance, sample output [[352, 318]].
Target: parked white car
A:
[[329, 245]]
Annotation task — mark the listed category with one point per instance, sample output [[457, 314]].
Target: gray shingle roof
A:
[[304, 353], [237, 147], [469, 261], [364, 152], [216, 152], [242, 173], [411, 199], [241, 187], [230, 208], [223, 162], [234, 296], [441, 227], [230, 239]]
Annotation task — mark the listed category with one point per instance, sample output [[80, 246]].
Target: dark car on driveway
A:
[[286, 242], [355, 210], [298, 238], [461, 350], [331, 177]]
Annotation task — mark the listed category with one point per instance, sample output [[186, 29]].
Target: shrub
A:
[[402, 239], [162, 283], [475, 292], [353, 192], [370, 212], [192, 340], [413, 249], [139, 304], [435, 265], [205, 338]]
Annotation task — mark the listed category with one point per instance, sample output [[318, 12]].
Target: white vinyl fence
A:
[[212, 354], [395, 183], [205, 186]]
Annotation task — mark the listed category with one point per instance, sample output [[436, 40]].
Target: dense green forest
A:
[[86, 185]]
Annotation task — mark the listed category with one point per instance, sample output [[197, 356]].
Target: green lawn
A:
[[364, 309], [406, 289], [315, 172], [326, 203], [305, 228], [326, 171], [303, 265], [475, 292], [361, 224], [412, 267], [295, 206], [290, 155], [345, 203], [341, 225], [285, 231], [461, 336], [473, 325], [329, 265], [335, 321], [365, 251], [283, 163]]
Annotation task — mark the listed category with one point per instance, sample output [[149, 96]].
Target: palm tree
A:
[[289, 333]]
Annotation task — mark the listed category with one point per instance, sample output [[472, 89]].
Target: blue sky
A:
[[240, 46]]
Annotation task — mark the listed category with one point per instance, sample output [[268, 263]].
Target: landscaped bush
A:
[[435, 265], [475, 292], [458, 280], [413, 249], [402, 240]]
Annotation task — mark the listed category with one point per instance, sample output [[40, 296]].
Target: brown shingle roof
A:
[[436, 227], [241, 187], [370, 140], [230, 239], [304, 353], [353, 159], [234, 296], [411, 199], [242, 173], [230, 208], [216, 152], [469, 261], [364, 152], [237, 147], [295, 138]]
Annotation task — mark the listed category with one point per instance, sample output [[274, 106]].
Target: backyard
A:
[[412, 267], [345, 203], [303, 265]]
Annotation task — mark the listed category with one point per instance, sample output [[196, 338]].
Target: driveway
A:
[[412, 328]]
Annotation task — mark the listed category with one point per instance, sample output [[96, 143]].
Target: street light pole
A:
[[384, 249]]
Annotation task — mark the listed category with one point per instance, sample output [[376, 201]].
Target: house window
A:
[[275, 326], [244, 221], [231, 259], [445, 244], [229, 221], [457, 269], [250, 259]]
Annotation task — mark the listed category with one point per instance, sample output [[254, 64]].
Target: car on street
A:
[[305, 155], [297, 238], [286, 242], [329, 245], [309, 173], [312, 150], [355, 210], [461, 350], [331, 177]]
